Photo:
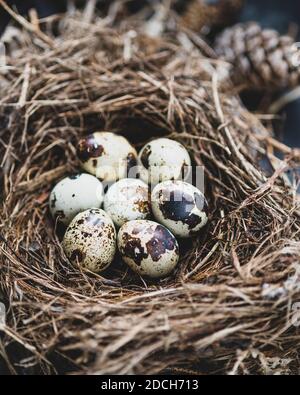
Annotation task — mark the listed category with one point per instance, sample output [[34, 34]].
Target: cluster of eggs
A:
[[93, 234]]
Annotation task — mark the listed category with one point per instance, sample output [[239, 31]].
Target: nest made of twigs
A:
[[229, 305]]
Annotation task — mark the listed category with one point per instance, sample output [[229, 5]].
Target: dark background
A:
[[44, 8], [271, 13]]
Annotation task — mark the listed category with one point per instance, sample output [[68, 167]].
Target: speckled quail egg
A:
[[163, 159], [127, 200], [107, 156], [73, 195], [148, 248], [90, 240], [179, 206]]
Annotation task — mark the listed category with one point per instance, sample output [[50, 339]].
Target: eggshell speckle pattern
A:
[[73, 195], [90, 240], [127, 200], [179, 206], [107, 156], [148, 248], [163, 159]]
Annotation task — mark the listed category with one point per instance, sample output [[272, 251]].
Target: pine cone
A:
[[261, 58], [211, 13]]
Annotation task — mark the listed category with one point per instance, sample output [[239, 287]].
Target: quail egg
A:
[[73, 195], [148, 248], [107, 156], [90, 240], [179, 206], [163, 159], [127, 200]]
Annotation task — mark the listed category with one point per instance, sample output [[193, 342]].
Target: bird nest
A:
[[231, 305]]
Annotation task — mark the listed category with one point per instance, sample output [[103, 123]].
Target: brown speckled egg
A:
[[107, 156], [127, 200], [73, 195], [180, 207], [163, 159], [90, 240], [148, 248]]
